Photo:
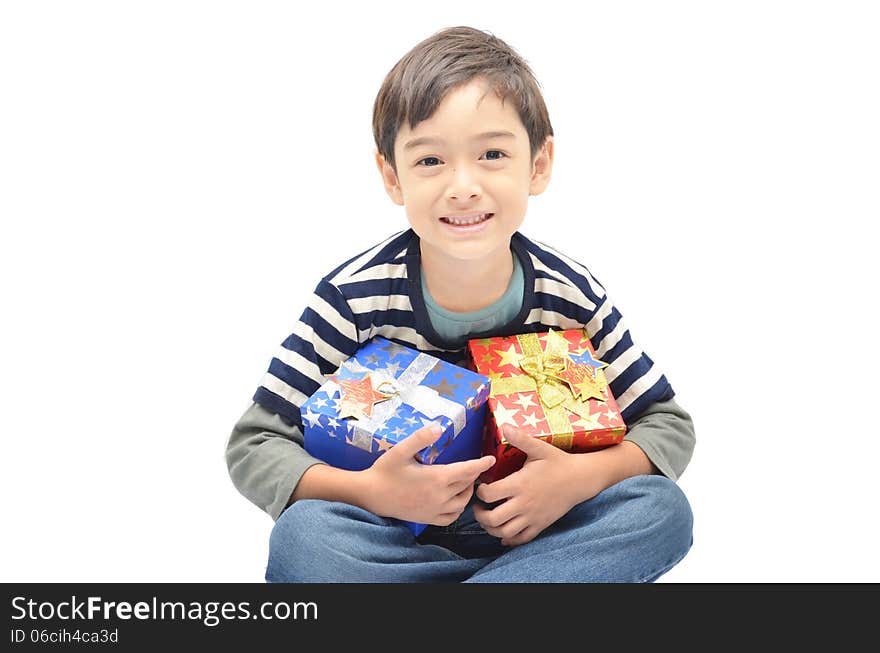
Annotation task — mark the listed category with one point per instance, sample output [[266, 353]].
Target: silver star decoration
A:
[[313, 418]]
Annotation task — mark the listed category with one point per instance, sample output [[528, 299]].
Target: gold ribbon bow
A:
[[557, 380], [544, 367]]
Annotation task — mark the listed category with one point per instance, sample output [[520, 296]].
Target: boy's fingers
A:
[[459, 498], [414, 443], [528, 444], [469, 469], [458, 486], [492, 492], [498, 515], [445, 519]]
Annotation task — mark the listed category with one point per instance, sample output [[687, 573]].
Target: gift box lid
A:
[[386, 391]]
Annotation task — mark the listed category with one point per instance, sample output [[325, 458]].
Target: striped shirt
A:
[[379, 293]]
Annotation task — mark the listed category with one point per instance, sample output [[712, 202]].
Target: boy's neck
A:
[[466, 286]]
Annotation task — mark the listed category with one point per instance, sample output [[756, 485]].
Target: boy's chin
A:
[[467, 251]]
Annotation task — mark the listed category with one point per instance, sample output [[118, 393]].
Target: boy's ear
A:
[[541, 168], [389, 179]]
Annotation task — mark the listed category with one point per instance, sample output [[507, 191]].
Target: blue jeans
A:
[[634, 531]]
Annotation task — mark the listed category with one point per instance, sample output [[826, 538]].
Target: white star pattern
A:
[[531, 420], [320, 402], [525, 401], [313, 418], [504, 415], [393, 368]]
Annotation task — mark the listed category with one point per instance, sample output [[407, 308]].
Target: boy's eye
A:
[[434, 158]]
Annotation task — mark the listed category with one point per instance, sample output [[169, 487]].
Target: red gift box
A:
[[550, 385]]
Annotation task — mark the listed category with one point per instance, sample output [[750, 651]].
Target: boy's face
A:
[[446, 183]]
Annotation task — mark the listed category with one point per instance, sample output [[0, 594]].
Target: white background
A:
[[176, 176]]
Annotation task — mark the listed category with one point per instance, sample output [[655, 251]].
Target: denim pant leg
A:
[[634, 531], [316, 541]]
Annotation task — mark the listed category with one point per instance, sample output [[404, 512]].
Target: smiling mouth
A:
[[465, 221]]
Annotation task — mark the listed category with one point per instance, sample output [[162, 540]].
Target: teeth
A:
[[467, 220]]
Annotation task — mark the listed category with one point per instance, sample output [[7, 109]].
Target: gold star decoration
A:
[[444, 389], [509, 357], [394, 350], [590, 388], [495, 376]]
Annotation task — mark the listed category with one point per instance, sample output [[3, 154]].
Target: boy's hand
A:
[[532, 497], [402, 487]]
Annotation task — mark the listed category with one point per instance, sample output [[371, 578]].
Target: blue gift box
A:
[[421, 390]]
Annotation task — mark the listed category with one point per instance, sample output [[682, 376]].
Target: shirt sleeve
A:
[[266, 458], [265, 452], [655, 422], [665, 432]]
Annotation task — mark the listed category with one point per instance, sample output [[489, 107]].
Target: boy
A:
[[463, 140]]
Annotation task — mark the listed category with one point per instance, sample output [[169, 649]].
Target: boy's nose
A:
[[464, 184]]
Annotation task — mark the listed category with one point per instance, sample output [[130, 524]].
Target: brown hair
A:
[[417, 84]]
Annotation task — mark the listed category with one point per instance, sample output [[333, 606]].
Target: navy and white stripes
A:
[[378, 293]]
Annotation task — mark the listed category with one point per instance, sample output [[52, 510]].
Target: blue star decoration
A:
[[586, 358]]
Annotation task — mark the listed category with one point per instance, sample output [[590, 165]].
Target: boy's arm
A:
[[664, 432], [265, 452], [266, 459], [660, 441], [269, 466], [551, 481]]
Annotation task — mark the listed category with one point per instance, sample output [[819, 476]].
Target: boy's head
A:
[[454, 87]]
